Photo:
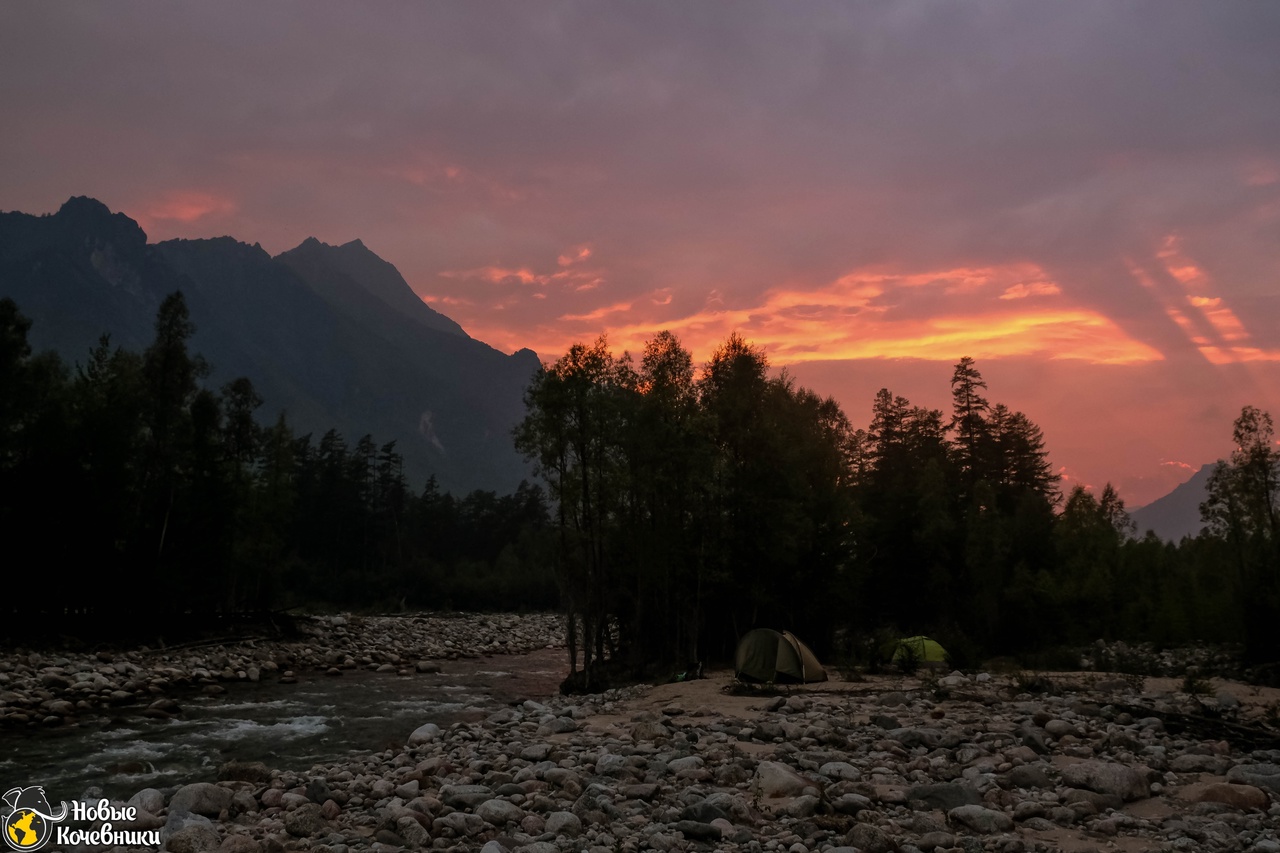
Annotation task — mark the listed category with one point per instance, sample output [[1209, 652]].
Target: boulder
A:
[[202, 798], [981, 820], [1105, 778], [774, 780], [1236, 795]]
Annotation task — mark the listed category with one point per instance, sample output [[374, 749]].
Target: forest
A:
[[678, 507], [176, 511]]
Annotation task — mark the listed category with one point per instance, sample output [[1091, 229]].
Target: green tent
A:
[[766, 655], [927, 652]]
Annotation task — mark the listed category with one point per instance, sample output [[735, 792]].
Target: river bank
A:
[[1007, 763], [51, 689]]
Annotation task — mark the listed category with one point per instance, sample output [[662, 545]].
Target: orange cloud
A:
[[1207, 321], [188, 206], [852, 318], [570, 274], [1023, 289], [574, 256]]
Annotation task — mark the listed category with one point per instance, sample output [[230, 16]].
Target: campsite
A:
[[935, 761]]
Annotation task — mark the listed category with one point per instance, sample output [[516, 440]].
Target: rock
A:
[[703, 812], [176, 821], [465, 796], [840, 770], [564, 823], [193, 839], [773, 780], [245, 771], [1107, 778], [1029, 776], [499, 812], [426, 733], [697, 831], [688, 762], [304, 821], [851, 804], [239, 843], [202, 798], [148, 799], [933, 840], [557, 726], [980, 820], [803, 806], [612, 765], [536, 752], [946, 796], [870, 839], [1236, 795], [413, 832], [1258, 775]]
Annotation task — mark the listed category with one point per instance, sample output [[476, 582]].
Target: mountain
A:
[[332, 335], [1177, 514]]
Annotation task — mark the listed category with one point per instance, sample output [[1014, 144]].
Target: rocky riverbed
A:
[[889, 763], [41, 688]]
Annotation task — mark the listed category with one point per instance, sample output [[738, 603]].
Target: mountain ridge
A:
[[332, 335], [1176, 514]]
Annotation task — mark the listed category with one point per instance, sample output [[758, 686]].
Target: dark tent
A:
[[766, 655]]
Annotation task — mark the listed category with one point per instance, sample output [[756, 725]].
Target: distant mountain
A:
[[1177, 514], [330, 334]]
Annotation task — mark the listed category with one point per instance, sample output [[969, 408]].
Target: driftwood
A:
[[1207, 726]]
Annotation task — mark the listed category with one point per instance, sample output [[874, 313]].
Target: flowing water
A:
[[318, 720]]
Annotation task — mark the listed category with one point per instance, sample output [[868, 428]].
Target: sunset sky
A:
[[1084, 196]]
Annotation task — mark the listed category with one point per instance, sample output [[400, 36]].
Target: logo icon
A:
[[29, 819]]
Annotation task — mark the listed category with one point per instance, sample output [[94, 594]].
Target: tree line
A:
[[692, 505], [679, 507], [153, 504]]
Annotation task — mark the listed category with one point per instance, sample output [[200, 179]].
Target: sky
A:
[[1083, 197]]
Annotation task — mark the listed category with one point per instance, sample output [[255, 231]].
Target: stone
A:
[[148, 799], [933, 840], [806, 805], [840, 770], [557, 726], [465, 796], [413, 832], [946, 796], [774, 779], [697, 831], [981, 820], [564, 823], [1258, 775], [688, 762], [304, 821], [239, 843], [426, 733], [870, 839], [1029, 776], [202, 798], [499, 812], [193, 839], [1107, 778], [612, 765], [1236, 795]]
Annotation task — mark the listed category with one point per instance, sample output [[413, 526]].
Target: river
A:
[[320, 719]]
